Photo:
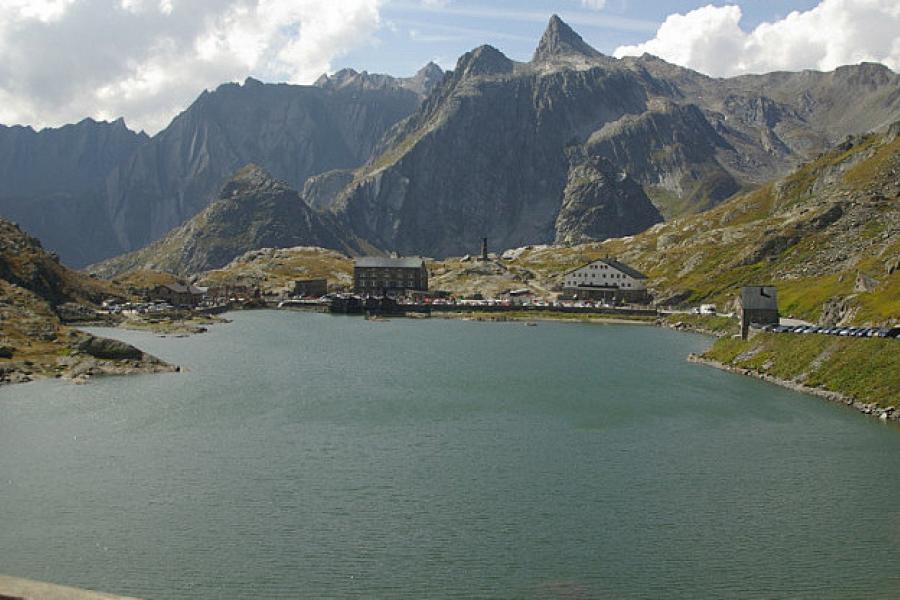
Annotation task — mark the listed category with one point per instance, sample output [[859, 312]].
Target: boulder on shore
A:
[[109, 349]]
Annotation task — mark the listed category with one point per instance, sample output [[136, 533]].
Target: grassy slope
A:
[[865, 369], [276, 269]]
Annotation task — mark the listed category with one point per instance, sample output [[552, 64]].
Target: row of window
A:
[[383, 284], [574, 283], [593, 275]]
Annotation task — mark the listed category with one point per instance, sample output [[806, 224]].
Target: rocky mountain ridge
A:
[[432, 163], [488, 153], [95, 190]]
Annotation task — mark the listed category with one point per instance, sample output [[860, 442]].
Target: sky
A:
[[147, 60]]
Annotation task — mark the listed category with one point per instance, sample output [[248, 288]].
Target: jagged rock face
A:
[[486, 157], [601, 201], [73, 159], [322, 191], [254, 210], [672, 149], [54, 181]]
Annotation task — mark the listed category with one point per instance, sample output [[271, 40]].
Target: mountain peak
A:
[[249, 177], [430, 70], [426, 79], [561, 40], [484, 60]]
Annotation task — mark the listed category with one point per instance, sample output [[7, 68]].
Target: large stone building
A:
[[759, 305], [606, 279], [178, 294], [379, 276]]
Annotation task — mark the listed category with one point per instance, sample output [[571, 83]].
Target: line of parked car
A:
[[882, 332]]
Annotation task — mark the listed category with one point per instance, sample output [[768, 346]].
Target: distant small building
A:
[[517, 297], [606, 279], [310, 288], [759, 305], [178, 294], [379, 276]]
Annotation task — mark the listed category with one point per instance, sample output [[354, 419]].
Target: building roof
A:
[[179, 288], [619, 266], [387, 262], [759, 297]]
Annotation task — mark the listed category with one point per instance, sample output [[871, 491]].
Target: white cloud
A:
[[594, 4], [148, 59], [834, 33]]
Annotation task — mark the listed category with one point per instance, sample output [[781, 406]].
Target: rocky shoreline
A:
[[85, 357], [889, 413]]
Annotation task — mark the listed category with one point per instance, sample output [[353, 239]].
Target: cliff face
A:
[[600, 202], [53, 181], [253, 211], [292, 131]]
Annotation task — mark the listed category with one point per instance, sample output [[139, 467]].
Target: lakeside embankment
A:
[[863, 373], [549, 315], [179, 326], [713, 325], [15, 588]]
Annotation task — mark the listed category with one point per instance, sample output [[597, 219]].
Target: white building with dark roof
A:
[[606, 279]]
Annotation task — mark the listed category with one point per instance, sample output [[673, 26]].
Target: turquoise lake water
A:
[[312, 456]]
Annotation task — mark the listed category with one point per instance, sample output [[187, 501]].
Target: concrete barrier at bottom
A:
[[13, 588]]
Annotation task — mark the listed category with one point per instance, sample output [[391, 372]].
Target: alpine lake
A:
[[303, 455]]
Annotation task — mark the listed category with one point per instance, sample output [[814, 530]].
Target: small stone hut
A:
[[758, 304]]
